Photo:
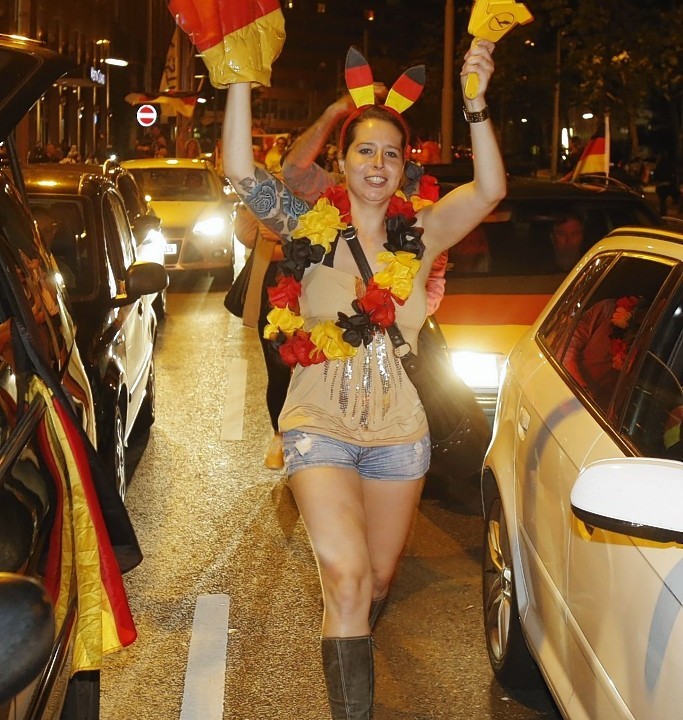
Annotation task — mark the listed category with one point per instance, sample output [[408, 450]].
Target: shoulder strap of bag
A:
[[350, 234]]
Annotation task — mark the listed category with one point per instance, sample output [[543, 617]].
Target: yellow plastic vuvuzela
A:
[[490, 20]]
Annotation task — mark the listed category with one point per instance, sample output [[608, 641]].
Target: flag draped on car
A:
[[104, 620], [238, 39], [595, 156]]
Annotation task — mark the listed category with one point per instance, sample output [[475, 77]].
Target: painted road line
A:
[[204, 690], [233, 408]]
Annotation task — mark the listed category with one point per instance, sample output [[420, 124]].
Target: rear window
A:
[[67, 229], [170, 183], [539, 239]]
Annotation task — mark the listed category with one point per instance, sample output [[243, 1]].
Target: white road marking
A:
[[233, 408], [204, 690]]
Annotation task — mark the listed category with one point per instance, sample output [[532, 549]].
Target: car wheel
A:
[[147, 414], [116, 453], [508, 654], [83, 697]]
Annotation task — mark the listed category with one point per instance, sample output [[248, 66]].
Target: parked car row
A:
[[86, 227], [74, 332]]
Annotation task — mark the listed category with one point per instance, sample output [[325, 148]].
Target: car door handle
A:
[[523, 423]]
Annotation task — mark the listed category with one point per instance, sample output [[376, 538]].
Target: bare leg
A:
[[332, 508], [389, 510]]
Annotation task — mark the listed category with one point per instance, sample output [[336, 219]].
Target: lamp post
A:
[[447, 90], [115, 62]]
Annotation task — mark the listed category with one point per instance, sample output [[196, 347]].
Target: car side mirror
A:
[[143, 224], [27, 632], [142, 278], [640, 497]]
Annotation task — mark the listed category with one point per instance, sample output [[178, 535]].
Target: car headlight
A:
[[210, 227], [478, 370]]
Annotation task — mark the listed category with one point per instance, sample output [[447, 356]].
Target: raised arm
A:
[[457, 213], [310, 143], [271, 200]]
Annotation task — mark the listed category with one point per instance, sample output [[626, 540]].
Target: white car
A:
[[582, 489], [196, 213]]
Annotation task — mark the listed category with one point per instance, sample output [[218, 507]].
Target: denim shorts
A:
[[408, 461]]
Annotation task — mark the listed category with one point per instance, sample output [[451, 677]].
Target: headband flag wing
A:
[[407, 89], [404, 92], [359, 78]]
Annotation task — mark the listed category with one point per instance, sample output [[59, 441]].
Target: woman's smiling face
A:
[[374, 162]]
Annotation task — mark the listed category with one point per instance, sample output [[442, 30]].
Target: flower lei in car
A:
[[621, 319], [374, 311]]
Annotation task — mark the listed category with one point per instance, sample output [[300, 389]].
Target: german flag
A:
[[239, 39], [595, 157], [79, 544]]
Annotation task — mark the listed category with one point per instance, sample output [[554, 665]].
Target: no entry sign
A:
[[147, 115]]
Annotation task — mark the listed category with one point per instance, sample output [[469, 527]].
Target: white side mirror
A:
[[640, 497]]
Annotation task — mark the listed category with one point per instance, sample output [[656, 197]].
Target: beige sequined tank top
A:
[[368, 399]]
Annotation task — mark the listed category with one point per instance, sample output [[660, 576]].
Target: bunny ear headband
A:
[[404, 92]]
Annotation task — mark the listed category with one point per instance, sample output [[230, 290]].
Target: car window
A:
[[654, 410], [119, 237], [540, 237], [31, 269], [67, 230], [592, 330], [169, 183], [132, 196]]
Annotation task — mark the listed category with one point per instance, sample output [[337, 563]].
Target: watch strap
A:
[[477, 115]]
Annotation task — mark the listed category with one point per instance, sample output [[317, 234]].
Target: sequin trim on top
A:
[[357, 389]]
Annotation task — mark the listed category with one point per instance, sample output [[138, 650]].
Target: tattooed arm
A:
[[270, 199]]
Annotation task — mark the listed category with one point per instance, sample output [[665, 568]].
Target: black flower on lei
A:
[[299, 254], [404, 234], [357, 328]]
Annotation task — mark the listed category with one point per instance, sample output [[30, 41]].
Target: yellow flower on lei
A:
[[418, 203], [282, 319], [399, 273], [327, 337], [320, 224]]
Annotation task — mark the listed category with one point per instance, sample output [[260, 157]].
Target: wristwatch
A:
[[477, 116]]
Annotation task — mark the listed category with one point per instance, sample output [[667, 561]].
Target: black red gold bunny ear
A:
[[359, 78], [407, 89]]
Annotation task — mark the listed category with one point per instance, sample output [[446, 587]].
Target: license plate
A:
[[171, 249]]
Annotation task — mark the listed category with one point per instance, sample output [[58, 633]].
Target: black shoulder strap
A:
[[401, 347]]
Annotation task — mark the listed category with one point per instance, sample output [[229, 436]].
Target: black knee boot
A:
[[349, 676]]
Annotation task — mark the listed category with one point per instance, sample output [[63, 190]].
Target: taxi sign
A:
[[147, 115]]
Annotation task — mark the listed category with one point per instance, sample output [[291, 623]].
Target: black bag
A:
[[458, 427], [459, 430], [235, 297]]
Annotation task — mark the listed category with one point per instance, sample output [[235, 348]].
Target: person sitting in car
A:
[[567, 238]]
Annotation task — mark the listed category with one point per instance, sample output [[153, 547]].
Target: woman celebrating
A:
[[355, 435]]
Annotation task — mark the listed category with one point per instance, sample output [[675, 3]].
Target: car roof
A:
[[660, 240], [185, 163], [27, 69], [68, 179]]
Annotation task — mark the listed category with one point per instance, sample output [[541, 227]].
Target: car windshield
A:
[[544, 240], [67, 230], [174, 183]]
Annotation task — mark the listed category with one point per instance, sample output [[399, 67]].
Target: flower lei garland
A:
[[311, 240], [621, 319]]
